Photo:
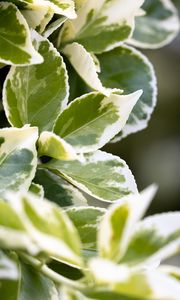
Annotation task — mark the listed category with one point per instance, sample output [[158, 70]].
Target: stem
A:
[[57, 278]]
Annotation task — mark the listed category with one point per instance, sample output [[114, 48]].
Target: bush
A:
[[87, 241]]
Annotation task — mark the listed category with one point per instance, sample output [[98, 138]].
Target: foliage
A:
[[72, 81]]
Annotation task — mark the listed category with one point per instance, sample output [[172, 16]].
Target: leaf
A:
[[172, 271], [63, 7], [15, 42], [8, 268], [28, 285], [102, 25], [128, 69], [102, 118], [58, 190], [54, 26], [50, 144], [37, 18], [101, 175], [35, 286], [86, 220], [18, 158], [37, 226], [84, 64], [154, 239], [37, 94], [116, 227], [37, 189], [158, 27], [141, 284]]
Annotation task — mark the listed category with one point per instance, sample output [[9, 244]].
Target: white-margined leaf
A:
[[54, 26], [27, 285], [58, 190], [62, 7], [103, 117], [37, 94], [50, 144], [15, 41], [128, 69], [86, 220], [8, 268], [84, 64], [118, 224], [102, 25], [138, 284], [173, 271], [154, 239], [38, 17], [18, 158], [37, 226], [158, 26], [99, 174]]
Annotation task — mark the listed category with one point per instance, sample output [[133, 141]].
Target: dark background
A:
[[153, 154]]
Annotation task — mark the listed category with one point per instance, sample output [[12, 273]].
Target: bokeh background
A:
[[154, 153]]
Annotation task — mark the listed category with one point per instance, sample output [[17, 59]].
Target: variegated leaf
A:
[[18, 158], [158, 26], [102, 25], [84, 64], [62, 7], [103, 117], [86, 220], [54, 26], [15, 41], [37, 226], [8, 268], [128, 69], [172, 271], [37, 94], [38, 18], [118, 224], [137, 284], [50, 144], [99, 174], [29, 284], [154, 239], [58, 190]]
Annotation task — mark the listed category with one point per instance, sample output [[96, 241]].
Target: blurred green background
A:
[[153, 154]]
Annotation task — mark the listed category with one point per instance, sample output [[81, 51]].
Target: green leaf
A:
[[37, 226], [18, 158], [15, 42], [102, 118], [102, 25], [154, 239], [37, 94], [86, 220], [158, 27], [50, 144], [58, 190], [126, 68], [143, 284], [118, 223], [101, 175], [84, 64]]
